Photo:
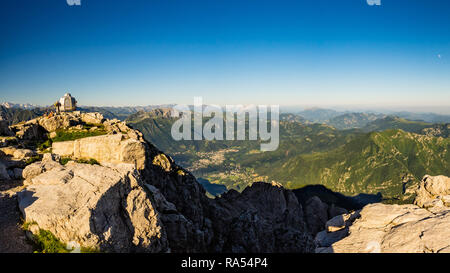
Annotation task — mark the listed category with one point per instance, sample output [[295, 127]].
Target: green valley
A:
[[352, 161]]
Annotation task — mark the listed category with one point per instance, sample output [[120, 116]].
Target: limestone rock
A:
[[95, 206], [432, 191], [8, 151], [23, 153], [51, 157], [341, 221], [336, 229], [29, 131], [92, 118], [105, 149], [394, 229], [63, 120], [162, 161], [37, 168]]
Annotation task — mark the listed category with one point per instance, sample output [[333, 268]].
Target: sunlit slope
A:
[[375, 162]]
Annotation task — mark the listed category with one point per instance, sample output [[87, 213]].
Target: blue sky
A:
[[319, 52]]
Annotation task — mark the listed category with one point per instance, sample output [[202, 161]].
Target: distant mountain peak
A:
[[11, 105]]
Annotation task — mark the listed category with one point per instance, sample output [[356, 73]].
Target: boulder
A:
[[51, 157], [335, 229], [341, 221], [99, 207]]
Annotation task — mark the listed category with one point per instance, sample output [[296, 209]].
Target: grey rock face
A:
[[4, 175], [263, 218], [316, 214], [4, 128]]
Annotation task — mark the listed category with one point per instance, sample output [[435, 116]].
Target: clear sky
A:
[[317, 52]]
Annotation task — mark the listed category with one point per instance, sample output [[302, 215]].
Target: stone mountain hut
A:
[[68, 103]]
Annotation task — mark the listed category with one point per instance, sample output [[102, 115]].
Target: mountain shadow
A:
[[334, 198], [213, 189]]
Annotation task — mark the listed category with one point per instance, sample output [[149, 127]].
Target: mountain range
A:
[[348, 152], [387, 155]]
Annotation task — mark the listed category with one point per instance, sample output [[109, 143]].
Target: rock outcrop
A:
[[117, 148], [29, 131], [100, 207], [433, 192], [394, 228], [316, 213], [4, 128], [12, 162], [264, 218]]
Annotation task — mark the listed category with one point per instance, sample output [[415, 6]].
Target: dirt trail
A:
[[12, 237]]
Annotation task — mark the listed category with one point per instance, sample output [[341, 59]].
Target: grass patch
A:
[[45, 145], [32, 159], [64, 160], [90, 161], [89, 250], [46, 242], [26, 225], [68, 135], [89, 126]]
